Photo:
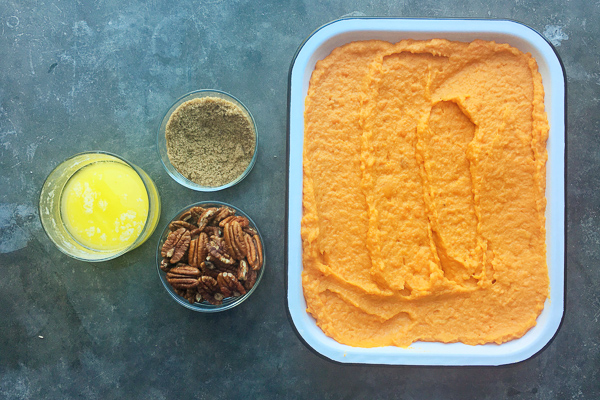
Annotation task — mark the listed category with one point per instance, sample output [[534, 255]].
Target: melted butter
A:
[[105, 206]]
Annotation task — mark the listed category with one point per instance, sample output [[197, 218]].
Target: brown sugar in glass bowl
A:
[[208, 140]]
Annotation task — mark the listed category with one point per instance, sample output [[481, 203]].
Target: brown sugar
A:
[[210, 140]]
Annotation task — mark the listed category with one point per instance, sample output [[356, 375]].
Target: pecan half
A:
[[226, 221], [165, 265], [238, 238], [241, 220], [229, 235], [206, 217], [242, 271], [217, 249], [196, 212], [213, 231], [198, 250], [223, 213], [259, 249], [168, 247], [183, 269], [251, 280], [183, 277], [173, 226], [186, 216], [202, 247], [181, 247], [209, 269], [190, 295], [229, 285], [193, 253], [253, 253], [209, 288], [209, 284], [220, 266], [176, 245]]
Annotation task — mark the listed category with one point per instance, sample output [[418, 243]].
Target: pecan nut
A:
[[206, 217], [193, 253], [196, 212], [173, 226], [176, 245], [186, 216], [213, 231], [208, 287], [198, 250], [242, 271], [181, 247], [259, 249], [186, 270], [168, 247], [165, 265], [223, 213], [238, 238], [183, 277], [250, 231], [209, 269], [218, 250], [190, 295], [254, 254], [243, 221], [251, 280], [235, 242], [209, 284], [229, 285], [220, 266]]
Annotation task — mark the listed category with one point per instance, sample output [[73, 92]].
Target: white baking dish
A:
[[340, 32]]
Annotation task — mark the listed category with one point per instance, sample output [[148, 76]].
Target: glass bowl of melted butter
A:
[[96, 206]]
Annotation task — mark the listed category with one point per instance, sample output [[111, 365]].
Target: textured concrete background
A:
[[78, 76]]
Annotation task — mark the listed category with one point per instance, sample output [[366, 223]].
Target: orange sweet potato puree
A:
[[424, 193]]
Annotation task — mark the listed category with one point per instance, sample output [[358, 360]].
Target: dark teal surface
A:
[[78, 76]]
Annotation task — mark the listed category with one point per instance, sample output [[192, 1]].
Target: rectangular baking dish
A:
[[316, 47]]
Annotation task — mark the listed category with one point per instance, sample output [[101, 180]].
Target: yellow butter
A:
[[105, 206]]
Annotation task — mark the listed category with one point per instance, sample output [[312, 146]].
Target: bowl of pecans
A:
[[210, 257]]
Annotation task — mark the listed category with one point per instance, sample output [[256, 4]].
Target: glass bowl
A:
[[162, 142], [55, 223], [228, 302]]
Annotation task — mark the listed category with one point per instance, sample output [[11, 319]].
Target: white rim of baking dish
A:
[[339, 32]]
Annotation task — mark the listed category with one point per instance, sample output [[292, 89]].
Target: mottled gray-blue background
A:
[[77, 76]]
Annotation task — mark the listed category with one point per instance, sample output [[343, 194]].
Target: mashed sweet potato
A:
[[424, 193]]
